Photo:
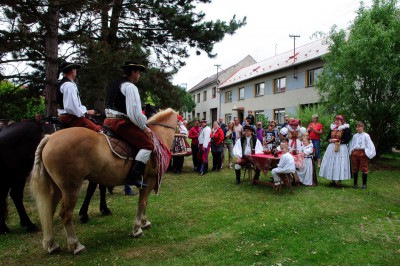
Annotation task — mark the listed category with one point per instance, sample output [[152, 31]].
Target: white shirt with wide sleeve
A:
[[71, 101], [204, 136], [363, 141], [286, 163], [133, 104], [308, 149], [237, 149]]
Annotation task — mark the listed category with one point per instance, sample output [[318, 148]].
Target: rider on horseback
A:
[[70, 109], [125, 117]]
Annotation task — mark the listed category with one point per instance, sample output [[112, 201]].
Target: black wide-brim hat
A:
[[67, 66], [133, 66]]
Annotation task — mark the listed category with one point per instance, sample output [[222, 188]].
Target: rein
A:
[[161, 124]]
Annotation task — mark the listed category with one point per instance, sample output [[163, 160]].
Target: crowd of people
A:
[[297, 147]]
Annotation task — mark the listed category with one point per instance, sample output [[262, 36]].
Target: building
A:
[[206, 93], [275, 86]]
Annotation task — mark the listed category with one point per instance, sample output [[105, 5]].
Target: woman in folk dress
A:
[[335, 165]]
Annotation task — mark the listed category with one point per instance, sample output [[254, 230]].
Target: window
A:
[[214, 92], [228, 96], [280, 85], [205, 96], [198, 116], [241, 93], [279, 115], [228, 118], [189, 118], [312, 76], [194, 98], [259, 90], [198, 98], [204, 115]]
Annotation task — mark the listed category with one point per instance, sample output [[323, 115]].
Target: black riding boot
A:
[[364, 177], [136, 174], [355, 175], [237, 176]]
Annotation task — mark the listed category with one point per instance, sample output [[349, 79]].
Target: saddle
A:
[[117, 145]]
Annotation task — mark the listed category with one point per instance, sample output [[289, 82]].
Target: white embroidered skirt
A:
[[335, 166]]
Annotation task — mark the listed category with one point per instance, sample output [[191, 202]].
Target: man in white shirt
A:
[[125, 117], [70, 109], [361, 149], [285, 165], [243, 148], [204, 146]]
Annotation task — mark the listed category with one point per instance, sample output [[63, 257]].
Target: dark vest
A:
[[59, 95], [115, 99], [253, 143]]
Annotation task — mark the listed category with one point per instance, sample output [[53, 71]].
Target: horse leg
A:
[[3, 209], [83, 212], [17, 195], [103, 203], [141, 221], [68, 201]]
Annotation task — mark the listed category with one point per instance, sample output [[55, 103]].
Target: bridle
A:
[[162, 124]]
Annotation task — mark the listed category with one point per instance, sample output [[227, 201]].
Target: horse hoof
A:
[[83, 218], [79, 249], [32, 228], [53, 249], [146, 226], [105, 211], [138, 233]]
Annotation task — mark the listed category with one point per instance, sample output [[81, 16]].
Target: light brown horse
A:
[[62, 162]]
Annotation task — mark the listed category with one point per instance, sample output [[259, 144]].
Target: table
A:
[[263, 162]]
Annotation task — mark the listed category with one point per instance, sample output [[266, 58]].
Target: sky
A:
[[266, 34]]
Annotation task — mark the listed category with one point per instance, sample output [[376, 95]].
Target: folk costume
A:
[[361, 149], [180, 147], [242, 150], [124, 116], [70, 109], [335, 165], [194, 135], [217, 143], [285, 165], [204, 142], [294, 135], [307, 174]]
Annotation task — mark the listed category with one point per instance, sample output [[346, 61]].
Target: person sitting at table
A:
[[285, 165], [307, 174], [243, 149]]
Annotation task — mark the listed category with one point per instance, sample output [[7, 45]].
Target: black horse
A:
[[18, 143]]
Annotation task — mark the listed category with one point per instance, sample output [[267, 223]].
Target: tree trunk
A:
[[51, 40]]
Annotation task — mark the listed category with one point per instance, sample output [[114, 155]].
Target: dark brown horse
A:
[[63, 160], [18, 143]]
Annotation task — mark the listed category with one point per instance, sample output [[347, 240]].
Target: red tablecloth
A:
[[263, 161]]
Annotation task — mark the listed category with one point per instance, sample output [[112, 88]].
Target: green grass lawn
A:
[[207, 220]]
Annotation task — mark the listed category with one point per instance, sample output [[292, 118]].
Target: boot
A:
[[257, 174], [237, 176], [355, 175], [128, 191], [364, 178], [135, 177], [204, 169]]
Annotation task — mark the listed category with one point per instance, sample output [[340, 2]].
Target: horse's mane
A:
[[162, 115]]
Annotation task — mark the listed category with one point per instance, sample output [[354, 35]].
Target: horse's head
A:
[[164, 124]]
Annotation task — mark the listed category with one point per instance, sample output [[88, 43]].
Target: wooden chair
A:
[[248, 168], [287, 179]]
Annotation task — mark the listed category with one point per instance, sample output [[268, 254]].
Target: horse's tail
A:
[[43, 189]]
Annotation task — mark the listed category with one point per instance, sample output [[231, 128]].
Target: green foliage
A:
[[361, 77], [102, 35], [18, 103]]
